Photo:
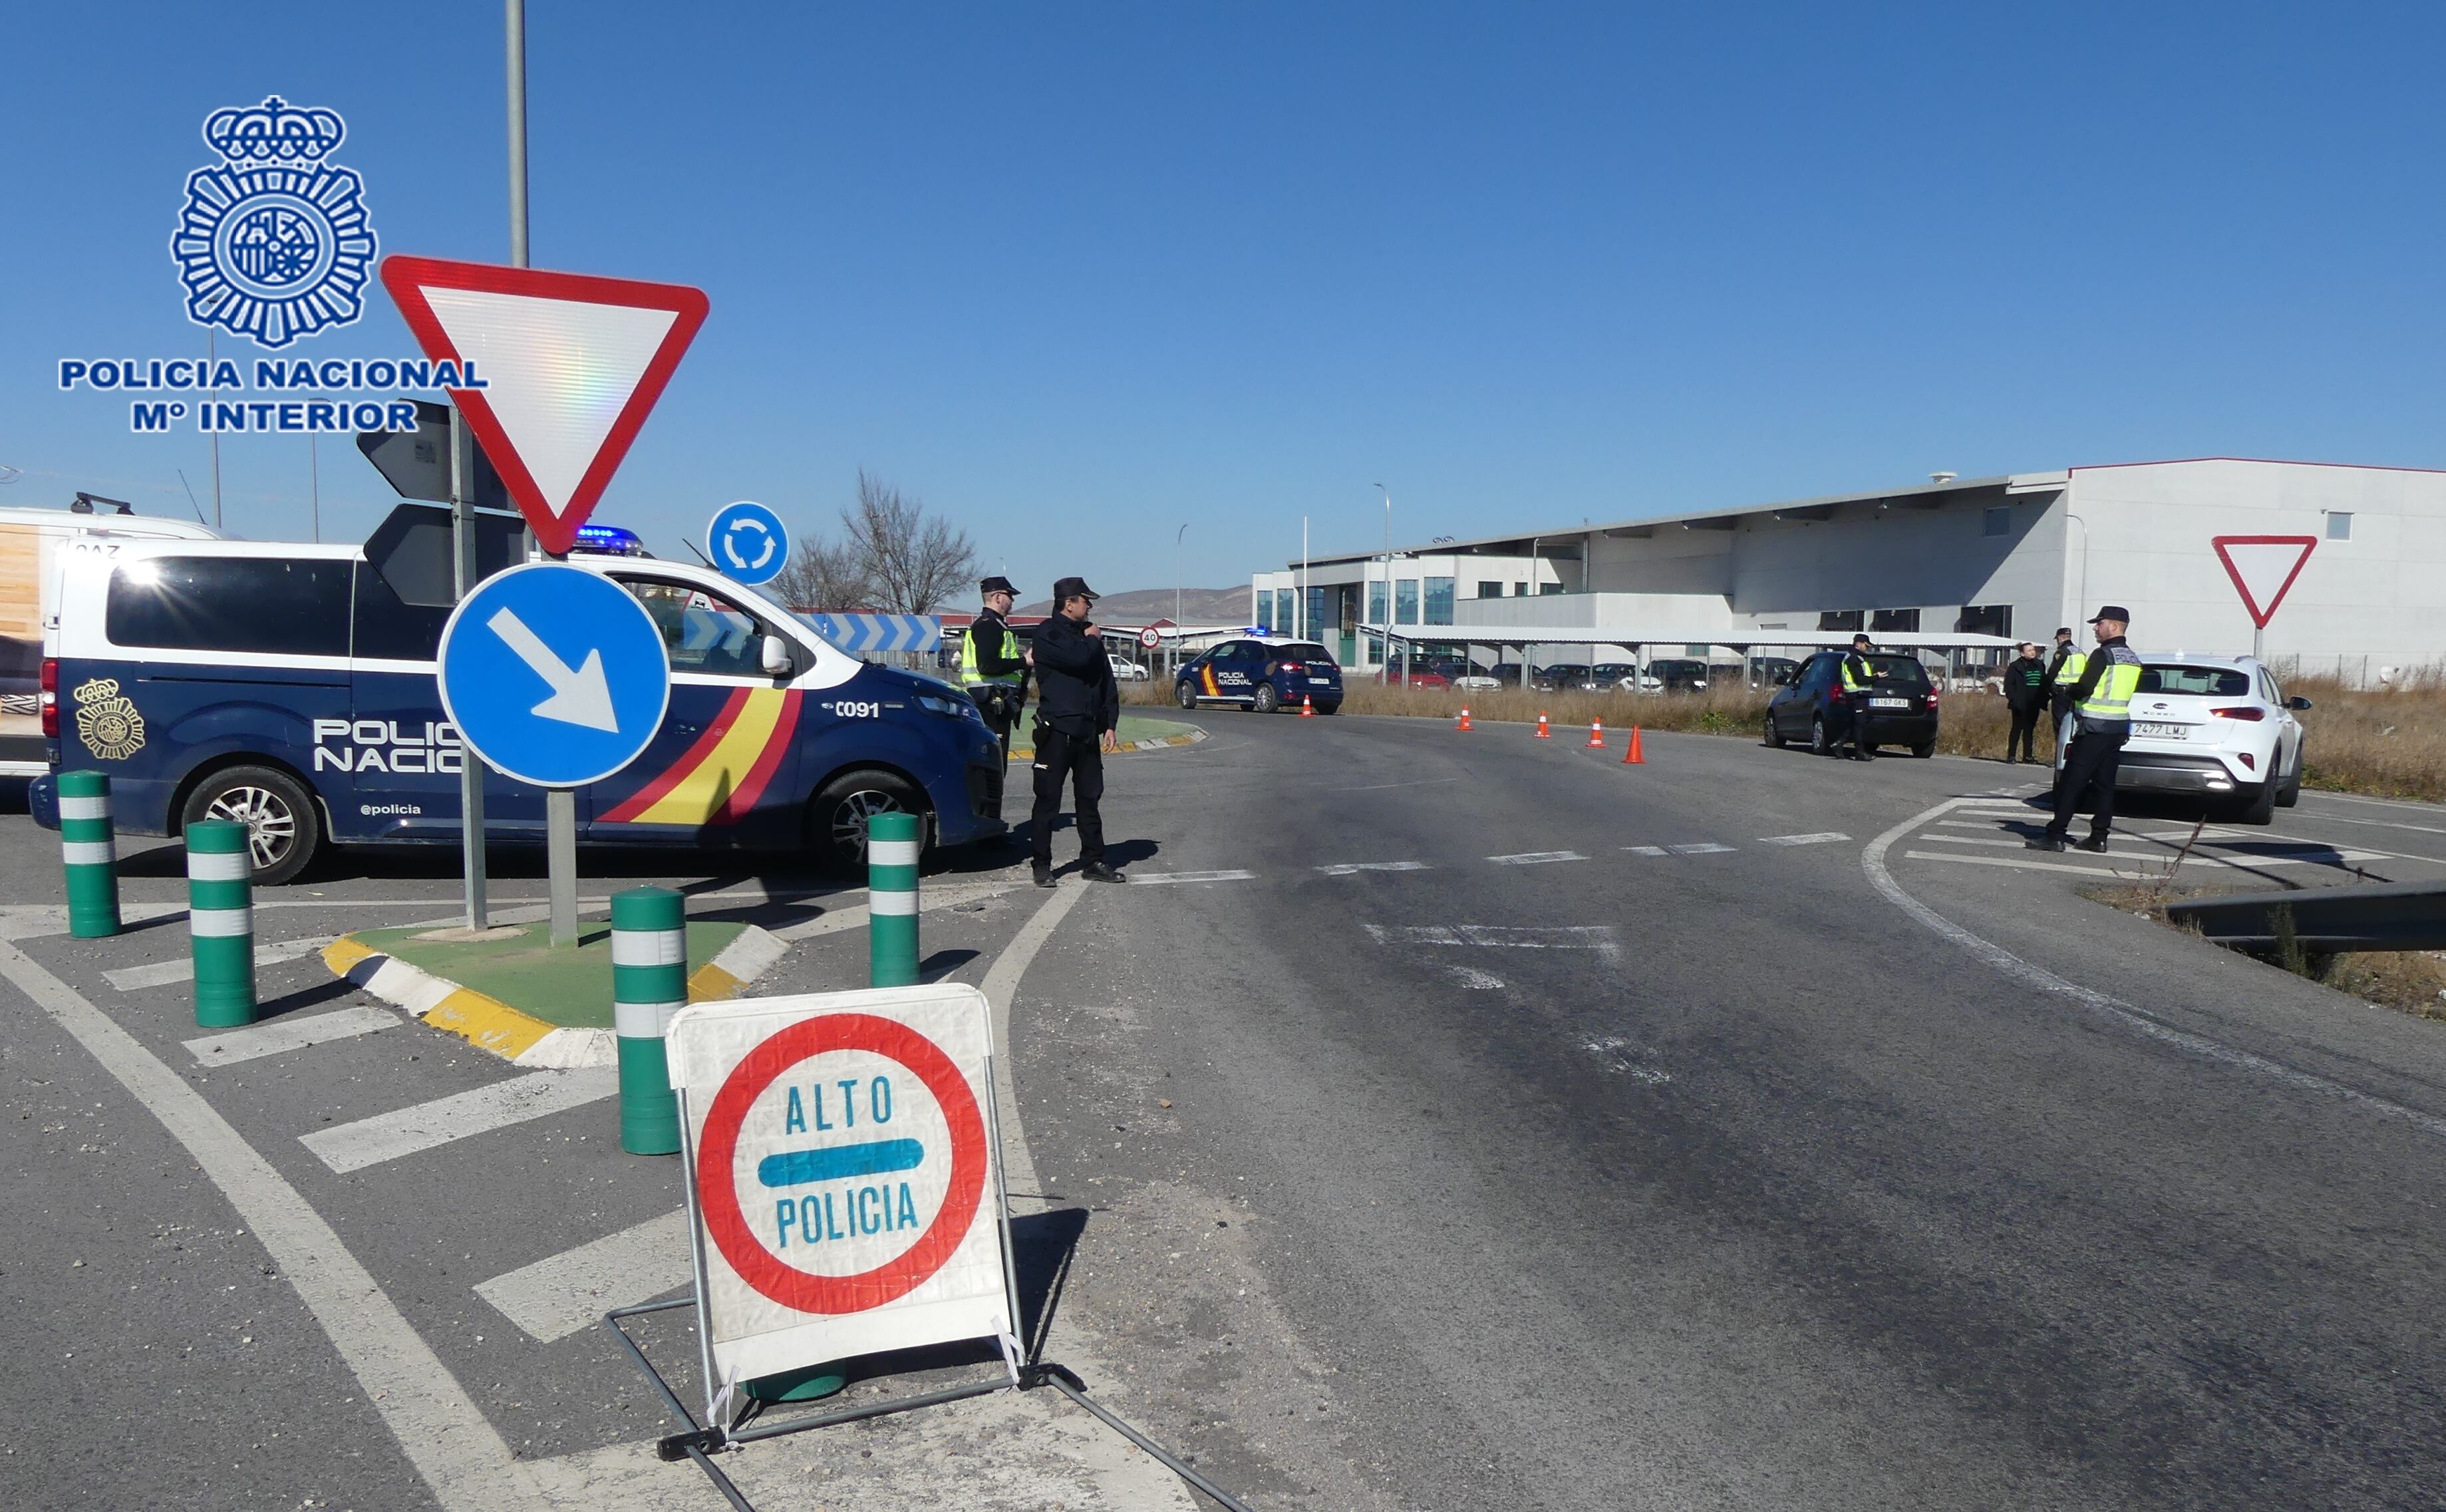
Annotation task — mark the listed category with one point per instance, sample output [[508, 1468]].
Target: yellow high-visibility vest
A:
[[971, 677], [2110, 699], [2074, 664]]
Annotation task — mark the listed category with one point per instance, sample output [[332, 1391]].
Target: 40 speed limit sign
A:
[[844, 1176]]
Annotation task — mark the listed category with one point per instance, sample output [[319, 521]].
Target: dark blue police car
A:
[[1263, 672]]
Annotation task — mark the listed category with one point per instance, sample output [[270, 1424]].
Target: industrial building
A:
[[1957, 568]]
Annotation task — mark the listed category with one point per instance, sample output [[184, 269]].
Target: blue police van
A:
[[292, 687]]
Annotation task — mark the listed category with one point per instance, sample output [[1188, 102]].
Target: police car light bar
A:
[[608, 541]]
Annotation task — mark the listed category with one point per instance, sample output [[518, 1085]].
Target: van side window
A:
[[267, 606], [702, 631], [388, 629]]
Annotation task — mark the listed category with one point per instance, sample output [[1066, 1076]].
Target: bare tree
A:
[[822, 576], [913, 564]]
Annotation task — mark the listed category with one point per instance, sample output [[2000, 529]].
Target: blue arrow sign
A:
[[747, 541], [554, 675], [862, 632]]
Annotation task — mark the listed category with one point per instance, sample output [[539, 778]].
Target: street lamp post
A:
[[1177, 538], [1384, 644]]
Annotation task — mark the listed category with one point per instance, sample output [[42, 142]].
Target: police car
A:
[[1263, 672], [292, 687]]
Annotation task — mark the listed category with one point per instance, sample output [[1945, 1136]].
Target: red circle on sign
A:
[[717, 1153]]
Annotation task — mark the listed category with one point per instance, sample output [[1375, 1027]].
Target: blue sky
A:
[[1078, 273]]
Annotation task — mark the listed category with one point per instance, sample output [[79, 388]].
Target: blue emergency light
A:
[[609, 540]]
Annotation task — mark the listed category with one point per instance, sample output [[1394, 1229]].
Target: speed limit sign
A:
[[1149, 637], [844, 1177]]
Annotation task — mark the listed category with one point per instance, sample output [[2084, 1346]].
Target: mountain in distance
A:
[[1140, 606]]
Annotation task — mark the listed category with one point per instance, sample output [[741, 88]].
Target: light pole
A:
[[1384, 645], [1177, 538]]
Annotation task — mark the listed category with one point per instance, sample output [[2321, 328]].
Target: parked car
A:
[[1419, 675], [2217, 726], [1125, 670], [1902, 705], [1560, 675], [1605, 676], [1680, 676], [1772, 672], [1262, 673]]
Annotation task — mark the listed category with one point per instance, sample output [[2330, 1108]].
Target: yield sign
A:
[[2263, 568], [572, 365]]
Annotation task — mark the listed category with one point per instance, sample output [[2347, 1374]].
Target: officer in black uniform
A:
[[1078, 707], [993, 669]]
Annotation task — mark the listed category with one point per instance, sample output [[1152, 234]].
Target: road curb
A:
[[519, 1038], [1023, 753]]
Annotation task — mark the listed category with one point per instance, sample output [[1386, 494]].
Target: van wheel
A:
[[283, 828], [1185, 694], [837, 820], [1774, 733], [1267, 700]]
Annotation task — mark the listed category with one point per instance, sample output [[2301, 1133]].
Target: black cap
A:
[[1861, 637], [1069, 588], [2112, 612], [996, 585], [2063, 630]]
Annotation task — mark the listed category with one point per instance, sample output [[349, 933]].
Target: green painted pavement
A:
[[1132, 727], [569, 987]]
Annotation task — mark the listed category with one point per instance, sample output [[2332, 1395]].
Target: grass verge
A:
[[2412, 982]]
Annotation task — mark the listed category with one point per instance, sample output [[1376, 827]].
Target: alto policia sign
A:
[[845, 1178]]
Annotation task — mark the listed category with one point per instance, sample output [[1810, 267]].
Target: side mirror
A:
[[2297, 701], [774, 657]]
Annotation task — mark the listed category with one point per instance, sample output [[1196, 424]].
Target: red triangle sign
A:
[[572, 365], [2262, 569]]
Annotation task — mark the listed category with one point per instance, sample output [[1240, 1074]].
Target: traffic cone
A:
[[1464, 716], [1542, 732], [1307, 706], [1631, 757], [1596, 734]]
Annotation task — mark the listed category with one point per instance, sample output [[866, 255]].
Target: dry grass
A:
[[2414, 981], [2384, 743]]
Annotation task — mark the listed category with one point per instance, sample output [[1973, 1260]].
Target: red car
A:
[[1420, 677]]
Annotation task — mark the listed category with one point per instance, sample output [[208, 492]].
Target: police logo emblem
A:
[[274, 242], [106, 722]]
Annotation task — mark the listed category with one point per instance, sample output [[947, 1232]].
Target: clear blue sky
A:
[[1079, 273]]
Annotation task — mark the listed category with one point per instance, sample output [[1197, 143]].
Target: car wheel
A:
[[1818, 741], [284, 830], [837, 820], [1924, 750], [1185, 694], [1268, 701], [2258, 806], [1774, 733]]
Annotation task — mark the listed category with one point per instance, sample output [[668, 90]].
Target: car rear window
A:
[[2204, 682], [1903, 670], [1300, 651]]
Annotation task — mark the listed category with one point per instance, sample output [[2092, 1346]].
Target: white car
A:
[[2217, 726], [1124, 670], [1477, 680]]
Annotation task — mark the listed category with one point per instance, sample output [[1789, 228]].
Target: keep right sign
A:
[[846, 1178]]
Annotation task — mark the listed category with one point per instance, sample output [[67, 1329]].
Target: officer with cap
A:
[[2101, 707], [2062, 671], [1856, 676], [1078, 707], [992, 670]]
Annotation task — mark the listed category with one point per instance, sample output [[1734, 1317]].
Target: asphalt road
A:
[[1629, 1145]]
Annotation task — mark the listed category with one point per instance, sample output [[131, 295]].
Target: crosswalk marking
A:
[[1822, 837], [2030, 867], [1704, 847], [1347, 868], [2218, 858], [280, 1035], [1192, 876], [1536, 858], [565, 1294], [161, 974], [409, 1130]]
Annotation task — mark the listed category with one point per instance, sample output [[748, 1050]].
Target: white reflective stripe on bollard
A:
[[643, 1020], [892, 852], [84, 808], [226, 866], [640, 946], [88, 852], [891, 903], [215, 922]]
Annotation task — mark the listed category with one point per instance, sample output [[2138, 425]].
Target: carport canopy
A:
[[1520, 637]]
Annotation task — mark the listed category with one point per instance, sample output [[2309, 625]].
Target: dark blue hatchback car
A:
[[1262, 673]]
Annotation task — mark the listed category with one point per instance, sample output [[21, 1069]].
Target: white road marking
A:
[[1704, 847], [1475, 980], [444, 1435], [564, 1293], [1348, 868], [2023, 866], [161, 974], [1872, 862], [2245, 860], [1648, 850], [1536, 858], [1598, 937], [1192, 876], [405, 1131], [1820, 838], [290, 1032]]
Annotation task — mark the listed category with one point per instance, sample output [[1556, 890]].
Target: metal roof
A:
[[1627, 636]]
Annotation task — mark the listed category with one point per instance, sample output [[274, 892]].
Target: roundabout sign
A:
[[843, 1177]]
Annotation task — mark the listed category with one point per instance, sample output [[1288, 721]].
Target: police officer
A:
[[1078, 707], [2062, 671], [1858, 674], [2101, 705], [992, 670]]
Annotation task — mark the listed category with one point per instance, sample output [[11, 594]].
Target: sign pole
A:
[[462, 581]]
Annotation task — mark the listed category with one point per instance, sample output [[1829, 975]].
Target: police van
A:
[[292, 687]]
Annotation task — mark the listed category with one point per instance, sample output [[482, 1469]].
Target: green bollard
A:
[[220, 921], [892, 899], [649, 985], [91, 858]]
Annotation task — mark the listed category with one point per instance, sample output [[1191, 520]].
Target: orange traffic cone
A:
[[1542, 732], [1596, 734], [1464, 717], [1307, 706], [1632, 757]]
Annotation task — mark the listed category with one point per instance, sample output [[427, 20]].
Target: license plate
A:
[[1888, 702], [2148, 731]]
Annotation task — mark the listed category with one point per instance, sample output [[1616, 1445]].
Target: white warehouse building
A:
[[1958, 567]]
